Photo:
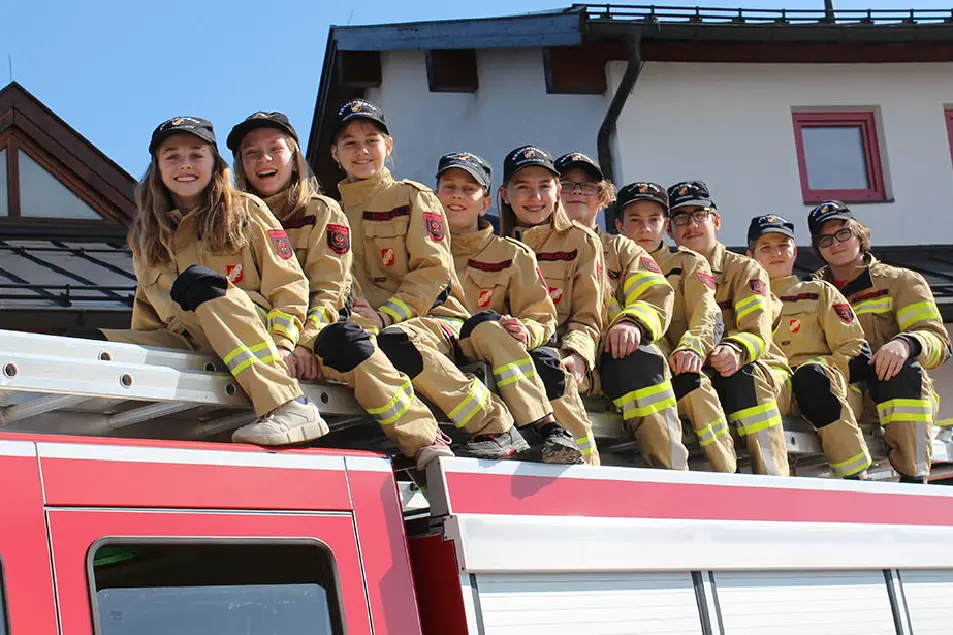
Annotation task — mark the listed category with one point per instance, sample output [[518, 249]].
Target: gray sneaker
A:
[[495, 446], [294, 422], [426, 454]]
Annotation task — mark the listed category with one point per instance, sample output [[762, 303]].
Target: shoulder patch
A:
[[339, 238], [434, 223], [649, 263], [844, 312], [759, 287], [279, 238], [707, 280], [555, 256], [490, 267]]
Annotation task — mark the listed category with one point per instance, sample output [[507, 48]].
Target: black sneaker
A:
[[495, 446], [919, 480], [555, 445]]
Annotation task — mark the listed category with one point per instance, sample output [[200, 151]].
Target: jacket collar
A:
[[472, 242], [356, 192]]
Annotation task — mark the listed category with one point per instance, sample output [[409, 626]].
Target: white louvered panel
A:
[[805, 603], [930, 600], [589, 603]]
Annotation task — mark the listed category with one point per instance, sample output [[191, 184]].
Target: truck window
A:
[[201, 588]]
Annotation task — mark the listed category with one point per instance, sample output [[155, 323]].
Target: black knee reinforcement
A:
[[400, 351], [738, 391], [476, 320], [550, 371], [907, 384], [85, 334], [196, 285], [641, 368], [685, 383], [342, 346], [812, 392]]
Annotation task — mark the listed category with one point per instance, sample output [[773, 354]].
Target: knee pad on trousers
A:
[[400, 351], [550, 371], [685, 383], [907, 384], [641, 368], [859, 366], [342, 346], [812, 392], [476, 320], [85, 334], [738, 391], [197, 285]]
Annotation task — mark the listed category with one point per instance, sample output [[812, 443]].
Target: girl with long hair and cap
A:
[[408, 291], [216, 271], [269, 163]]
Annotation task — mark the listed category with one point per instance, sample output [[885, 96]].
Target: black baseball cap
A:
[[689, 194], [524, 157], [277, 120], [475, 166], [828, 210], [357, 109], [201, 128], [641, 191], [578, 160], [769, 224]]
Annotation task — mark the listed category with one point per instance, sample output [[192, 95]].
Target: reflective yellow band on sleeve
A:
[[397, 309], [646, 315], [919, 312], [874, 307], [747, 306], [284, 323], [753, 344], [639, 282], [694, 343]]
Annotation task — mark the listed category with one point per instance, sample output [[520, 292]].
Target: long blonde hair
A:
[[304, 185], [222, 217]]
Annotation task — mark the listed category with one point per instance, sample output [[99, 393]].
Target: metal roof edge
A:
[[320, 105]]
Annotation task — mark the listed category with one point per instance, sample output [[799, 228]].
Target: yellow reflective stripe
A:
[[854, 465], [536, 332], [267, 352], [455, 323], [281, 322], [319, 316], [910, 315], [637, 283], [395, 408], [753, 344], [647, 315], [944, 423], [585, 444], [646, 401], [755, 419], [241, 357], [905, 410], [397, 309], [690, 341], [710, 433], [856, 389], [935, 347], [749, 305], [874, 306], [514, 371], [580, 342], [475, 399]]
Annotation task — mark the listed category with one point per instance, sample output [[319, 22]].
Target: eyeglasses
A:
[[586, 187], [841, 235], [699, 216]]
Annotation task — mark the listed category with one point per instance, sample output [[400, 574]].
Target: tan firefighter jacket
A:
[[891, 302], [265, 269], [501, 274], [638, 290], [696, 319], [817, 324], [402, 260], [321, 240]]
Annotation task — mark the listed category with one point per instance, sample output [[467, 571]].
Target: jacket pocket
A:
[[386, 245], [488, 291]]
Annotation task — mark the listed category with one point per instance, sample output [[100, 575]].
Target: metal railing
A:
[[761, 17]]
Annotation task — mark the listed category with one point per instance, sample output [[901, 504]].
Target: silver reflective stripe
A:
[[676, 450], [764, 443], [631, 408], [921, 448], [515, 371], [853, 467], [233, 363], [467, 408]]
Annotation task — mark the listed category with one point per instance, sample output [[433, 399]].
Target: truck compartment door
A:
[[929, 596]]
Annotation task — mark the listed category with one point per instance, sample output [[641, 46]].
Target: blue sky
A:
[[113, 70]]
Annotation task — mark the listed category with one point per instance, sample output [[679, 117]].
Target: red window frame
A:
[[948, 115], [875, 175]]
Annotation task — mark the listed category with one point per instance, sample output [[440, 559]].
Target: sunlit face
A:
[[463, 199], [700, 231], [361, 149], [532, 192], [838, 254], [268, 160], [776, 253], [644, 222], [185, 166], [580, 196]]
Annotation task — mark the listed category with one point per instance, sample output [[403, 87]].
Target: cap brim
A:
[[594, 170], [234, 139], [532, 163], [165, 134], [816, 225], [361, 115], [776, 230], [643, 197], [695, 202], [470, 169]]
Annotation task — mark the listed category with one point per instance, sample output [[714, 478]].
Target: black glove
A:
[[196, 285]]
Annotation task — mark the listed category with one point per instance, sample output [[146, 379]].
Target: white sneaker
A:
[[426, 454], [293, 422]]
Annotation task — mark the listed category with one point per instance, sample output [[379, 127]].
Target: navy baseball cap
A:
[[277, 120], [578, 160], [475, 166], [689, 194], [641, 191], [828, 210], [769, 224], [524, 157], [357, 109], [201, 128]]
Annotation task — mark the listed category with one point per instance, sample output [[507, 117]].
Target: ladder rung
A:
[[38, 406], [145, 413]]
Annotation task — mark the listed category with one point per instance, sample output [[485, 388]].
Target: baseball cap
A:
[[641, 191], [201, 128], [524, 157], [578, 160], [277, 120], [769, 224], [828, 210], [689, 193], [357, 109], [471, 163]]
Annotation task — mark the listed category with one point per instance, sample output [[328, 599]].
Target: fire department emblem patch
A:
[[707, 280], [387, 256], [485, 296], [643, 188], [434, 223], [355, 106], [177, 121], [235, 273], [844, 312], [339, 238], [682, 191], [530, 154], [759, 287], [556, 294], [279, 238], [794, 325], [649, 263]]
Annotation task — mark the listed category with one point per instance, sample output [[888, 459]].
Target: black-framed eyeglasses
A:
[[698, 216], [588, 188], [841, 235]]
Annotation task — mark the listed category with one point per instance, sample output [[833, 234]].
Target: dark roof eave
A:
[[320, 105]]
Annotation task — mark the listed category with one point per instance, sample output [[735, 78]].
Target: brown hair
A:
[[304, 184], [222, 217], [606, 194], [857, 229]]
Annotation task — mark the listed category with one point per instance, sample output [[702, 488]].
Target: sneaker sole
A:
[[503, 453], [560, 454], [299, 434]]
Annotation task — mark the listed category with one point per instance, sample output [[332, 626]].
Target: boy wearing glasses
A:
[[903, 326], [822, 339], [741, 364]]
